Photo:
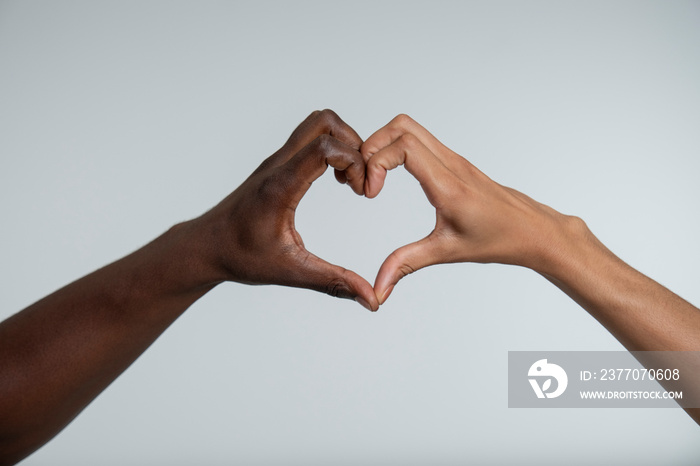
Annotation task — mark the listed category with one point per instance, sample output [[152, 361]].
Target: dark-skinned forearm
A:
[[59, 353]]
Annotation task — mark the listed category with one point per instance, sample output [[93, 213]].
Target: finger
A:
[[408, 150], [398, 126], [340, 176], [319, 275], [404, 261], [318, 123], [402, 124], [310, 163]]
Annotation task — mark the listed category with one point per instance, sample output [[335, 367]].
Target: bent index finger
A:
[[318, 123], [311, 162], [419, 161], [398, 126]]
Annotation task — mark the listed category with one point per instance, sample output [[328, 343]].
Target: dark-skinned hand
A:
[[59, 353], [252, 231]]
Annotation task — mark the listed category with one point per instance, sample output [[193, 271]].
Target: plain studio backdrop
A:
[[119, 119]]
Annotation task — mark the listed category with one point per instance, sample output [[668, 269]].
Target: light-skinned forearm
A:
[[642, 314]]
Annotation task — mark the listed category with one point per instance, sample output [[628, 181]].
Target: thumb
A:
[[404, 261], [315, 273]]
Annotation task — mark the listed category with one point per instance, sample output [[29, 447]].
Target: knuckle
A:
[[323, 143], [373, 166], [409, 141], [267, 163], [270, 189], [471, 169], [368, 149], [337, 288], [402, 263], [402, 120], [329, 118], [405, 269]]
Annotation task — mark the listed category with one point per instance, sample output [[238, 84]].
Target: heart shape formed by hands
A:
[[253, 238]]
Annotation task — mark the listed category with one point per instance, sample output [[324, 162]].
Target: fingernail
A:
[[363, 303], [386, 294]]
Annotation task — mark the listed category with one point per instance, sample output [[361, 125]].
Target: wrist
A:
[[567, 244], [181, 258]]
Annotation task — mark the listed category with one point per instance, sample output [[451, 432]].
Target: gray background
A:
[[119, 119]]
